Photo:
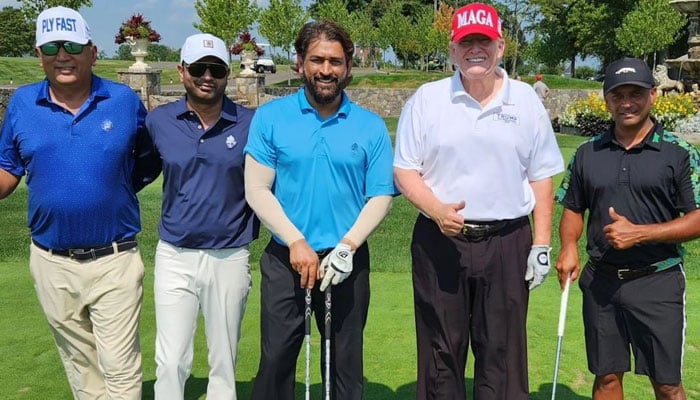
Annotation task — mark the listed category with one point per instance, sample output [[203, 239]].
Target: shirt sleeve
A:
[[147, 161], [260, 145], [10, 158], [409, 143], [688, 179]]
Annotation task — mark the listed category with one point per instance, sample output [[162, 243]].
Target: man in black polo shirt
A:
[[640, 187]]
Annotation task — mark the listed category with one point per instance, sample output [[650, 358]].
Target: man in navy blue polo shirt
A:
[[81, 141], [639, 185], [206, 224]]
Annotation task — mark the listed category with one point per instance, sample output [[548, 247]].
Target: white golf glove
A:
[[336, 266], [537, 266]]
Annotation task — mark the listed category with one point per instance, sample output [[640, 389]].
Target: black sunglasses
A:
[[51, 48], [217, 71]]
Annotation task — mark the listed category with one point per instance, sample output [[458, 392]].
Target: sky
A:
[[171, 18]]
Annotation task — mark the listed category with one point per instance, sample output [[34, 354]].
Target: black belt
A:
[[92, 253], [480, 230], [625, 272]]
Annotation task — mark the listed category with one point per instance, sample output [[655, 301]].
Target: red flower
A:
[[246, 42], [136, 27]]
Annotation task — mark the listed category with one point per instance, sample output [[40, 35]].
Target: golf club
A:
[[327, 317], [560, 331], [307, 337]]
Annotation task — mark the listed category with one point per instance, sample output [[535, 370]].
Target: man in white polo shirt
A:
[[475, 153]]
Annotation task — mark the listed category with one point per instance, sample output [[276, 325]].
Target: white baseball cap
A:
[[202, 45], [61, 24]]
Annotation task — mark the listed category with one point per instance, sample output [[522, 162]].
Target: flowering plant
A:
[[246, 43], [591, 115], [136, 27]]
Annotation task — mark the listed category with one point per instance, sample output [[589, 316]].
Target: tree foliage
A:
[[225, 18], [281, 21], [652, 25], [17, 37], [334, 10], [32, 8]]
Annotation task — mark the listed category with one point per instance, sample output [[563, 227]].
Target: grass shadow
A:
[[194, 388]]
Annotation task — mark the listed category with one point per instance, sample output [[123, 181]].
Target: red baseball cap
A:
[[476, 18]]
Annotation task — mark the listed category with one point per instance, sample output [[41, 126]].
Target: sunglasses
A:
[[217, 71], [52, 48]]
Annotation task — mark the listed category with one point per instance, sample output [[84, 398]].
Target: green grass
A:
[[27, 70], [31, 369]]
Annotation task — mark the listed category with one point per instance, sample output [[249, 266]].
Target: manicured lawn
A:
[[31, 369]]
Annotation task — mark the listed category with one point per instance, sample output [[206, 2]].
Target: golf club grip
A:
[[327, 334], [307, 336], [563, 305]]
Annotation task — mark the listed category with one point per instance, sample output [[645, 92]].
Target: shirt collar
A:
[[229, 111], [306, 107], [97, 90], [501, 98], [652, 139]]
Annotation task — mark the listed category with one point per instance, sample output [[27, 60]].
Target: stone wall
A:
[[389, 102], [385, 102]]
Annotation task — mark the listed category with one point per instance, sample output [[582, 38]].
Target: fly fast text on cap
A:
[[58, 24], [479, 17]]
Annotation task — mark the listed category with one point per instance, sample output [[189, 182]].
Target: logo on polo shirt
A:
[[507, 118], [230, 141], [107, 125]]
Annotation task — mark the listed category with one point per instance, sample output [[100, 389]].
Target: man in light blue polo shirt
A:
[[81, 141], [206, 224], [319, 176]]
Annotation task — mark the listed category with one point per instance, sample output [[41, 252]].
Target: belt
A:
[[480, 230], [628, 272], [92, 253], [323, 253]]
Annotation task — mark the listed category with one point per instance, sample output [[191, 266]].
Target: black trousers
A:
[[282, 326], [470, 290]]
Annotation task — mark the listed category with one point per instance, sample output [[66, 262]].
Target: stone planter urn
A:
[[247, 57], [139, 49]]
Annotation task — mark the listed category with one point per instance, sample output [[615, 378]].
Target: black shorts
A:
[[645, 315]]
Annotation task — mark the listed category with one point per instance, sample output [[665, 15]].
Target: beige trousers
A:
[[93, 309]]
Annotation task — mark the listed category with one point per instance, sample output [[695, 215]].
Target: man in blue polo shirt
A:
[[206, 224], [639, 185], [75, 136], [319, 176]]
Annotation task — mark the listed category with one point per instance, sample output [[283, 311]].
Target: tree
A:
[[225, 18], [159, 52], [17, 39], [32, 8], [334, 10], [281, 22], [651, 26], [514, 15]]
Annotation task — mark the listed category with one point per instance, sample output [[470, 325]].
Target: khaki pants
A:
[[93, 309]]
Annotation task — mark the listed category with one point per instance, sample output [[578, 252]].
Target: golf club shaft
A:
[[307, 337], [560, 332], [328, 343]]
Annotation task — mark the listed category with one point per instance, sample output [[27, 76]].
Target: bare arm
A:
[[258, 192], [412, 186], [542, 213], [623, 234], [570, 231], [8, 183]]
